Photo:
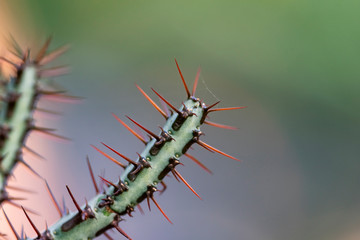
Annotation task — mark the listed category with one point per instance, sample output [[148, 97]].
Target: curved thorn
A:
[[196, 82], [152, 102], [128, 128], [109, 157], [183, 80], [201, 143], [124, 157]]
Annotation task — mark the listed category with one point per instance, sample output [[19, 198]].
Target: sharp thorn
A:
[[53, 72], [10, 62], [92, 175], [152, 102], [11, 226], [121, 231], [19, 189], [124, 157], [183, 80], [220, 125], [185, 182], [140, 209], [108, 182], [158, 206], [30, 168], [32, 224], [53, 55], [143, 128], [196, 82], [33, 152], [201, 143], [53, 199], [43, 50], [73, 199], [198, 163], [169, 104], [108, 236], [128, 128], [225, 109], [211, 106], [19, 206], [109, 157]]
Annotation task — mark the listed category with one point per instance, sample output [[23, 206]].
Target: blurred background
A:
[[295, 64]]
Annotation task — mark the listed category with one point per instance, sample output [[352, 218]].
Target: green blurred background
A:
[[294, 63]]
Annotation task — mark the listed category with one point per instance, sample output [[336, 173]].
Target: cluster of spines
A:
[[141, 177], [19, 94]]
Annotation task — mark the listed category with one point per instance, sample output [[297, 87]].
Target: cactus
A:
[[140, 179], [19, 96]]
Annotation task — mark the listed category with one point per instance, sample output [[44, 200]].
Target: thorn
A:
[[109, 157], [211, 106], [19, 189], [165, 108], [18, 51], [152, 102], [33, 152], [124, 157], [19, 206], [220, 125], [225, 109], [108, 236], [158, 206], [53, 199], [184, 181], [15, 198], [164, 187], [43, 50], [11, 226], [108, 182], [121, 231], [32, 224], [73, 199], [183, 80], [128, 128], [196, 82], [10, 62], [143, 128], [140, 209], [53, 55], [46, 92], [53, 72], [92, 175], [46, 132], [169, 104], [30, 168], [201, 143], [198, 163], [47, 111]]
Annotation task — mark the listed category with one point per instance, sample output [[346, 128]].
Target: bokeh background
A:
[[294, 63]]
